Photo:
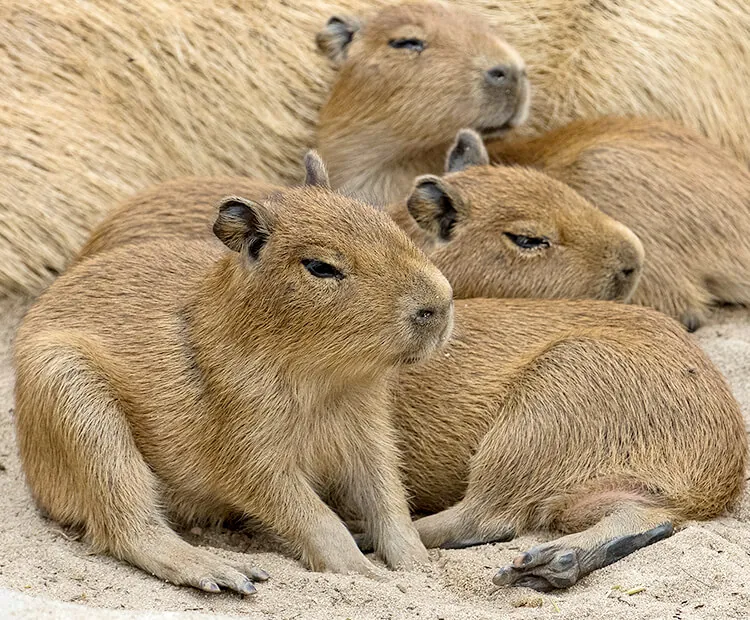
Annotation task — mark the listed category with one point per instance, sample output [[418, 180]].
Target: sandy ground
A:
[[703, 571]]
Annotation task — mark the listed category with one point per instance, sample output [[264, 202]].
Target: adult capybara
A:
[[97, 105]]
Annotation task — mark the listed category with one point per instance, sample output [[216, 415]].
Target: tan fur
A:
[[591, 255], [686, 199], [96, 105], [176, 380], [598, 419]]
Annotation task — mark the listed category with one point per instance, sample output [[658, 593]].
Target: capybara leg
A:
[[455, 528], [84, 468], [381, 500], [290, 507], [562, 562], [159, 551]]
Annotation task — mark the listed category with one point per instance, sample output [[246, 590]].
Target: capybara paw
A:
[[542, 568], [553, 565], [406, 554], [212, 574], [349, 563]]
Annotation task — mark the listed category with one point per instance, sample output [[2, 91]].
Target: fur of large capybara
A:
[[493, 231], [686, 199], [96, 105], [202, 383]]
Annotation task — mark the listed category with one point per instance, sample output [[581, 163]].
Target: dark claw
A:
[[248, 588], [535, 583], [208, 586], [258, 574], [505, 576]]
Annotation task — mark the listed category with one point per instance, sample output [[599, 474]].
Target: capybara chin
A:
[[190, 381], [408, 79], [492, 231], [686, 199]]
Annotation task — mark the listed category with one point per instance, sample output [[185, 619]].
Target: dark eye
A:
[[322, 270], [415, 45], [528, 243]]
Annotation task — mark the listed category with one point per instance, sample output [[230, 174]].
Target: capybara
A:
[[96, 106], [184, 381], [686, 199], [493, 231]]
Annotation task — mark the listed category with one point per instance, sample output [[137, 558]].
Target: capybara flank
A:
[[96, 106], [184, 380]]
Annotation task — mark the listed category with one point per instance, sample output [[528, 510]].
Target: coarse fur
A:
[[97, 106], [685, 198], [469, 223], [600, 420], [375, 131], [175, 380]]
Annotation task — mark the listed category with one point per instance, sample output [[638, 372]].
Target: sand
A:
[[703, 571]]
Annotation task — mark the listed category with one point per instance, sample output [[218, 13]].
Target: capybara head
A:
[[337, 282], [417, 73], [514, 232]]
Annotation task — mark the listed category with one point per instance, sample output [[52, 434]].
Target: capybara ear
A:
[[467, 150], [434, 205], [315, 171], [242, 225], [334, 39]]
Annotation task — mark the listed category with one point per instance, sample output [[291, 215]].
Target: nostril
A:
[[498, 75], [628, 272], [423, 315]]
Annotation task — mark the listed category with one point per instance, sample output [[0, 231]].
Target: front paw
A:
[[402, 548], [346, 562]]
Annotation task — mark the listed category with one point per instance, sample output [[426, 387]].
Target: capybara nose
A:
[[423, 316], [501, 75], [434, 315]]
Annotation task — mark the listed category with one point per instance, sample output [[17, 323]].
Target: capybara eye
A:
[[414, 45], [322, 270], [528, 243]]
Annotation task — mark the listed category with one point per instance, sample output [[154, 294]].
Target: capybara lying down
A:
[[601, 420], [493, 231], [182, 380], [686, 199]]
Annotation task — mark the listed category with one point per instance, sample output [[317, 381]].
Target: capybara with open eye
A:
[[493, 231], [181, 380], [686, 199], [408, 79], [603, 421]]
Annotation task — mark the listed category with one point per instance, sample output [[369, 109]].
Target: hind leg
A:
[[84, 468], [562, 562]]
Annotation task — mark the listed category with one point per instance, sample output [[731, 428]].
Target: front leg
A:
[[288, 505], [377, 493]]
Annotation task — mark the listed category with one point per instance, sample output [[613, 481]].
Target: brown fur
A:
[[96, 106], [686, 199], [376, 133], [597, 419], [589, 255], [218, 383]]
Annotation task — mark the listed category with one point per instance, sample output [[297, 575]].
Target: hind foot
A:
[[556, 565]]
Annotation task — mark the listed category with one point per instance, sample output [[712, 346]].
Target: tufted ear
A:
[[242, 225], [434, 205], [335, 38], [468, 150], [315, 171]]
